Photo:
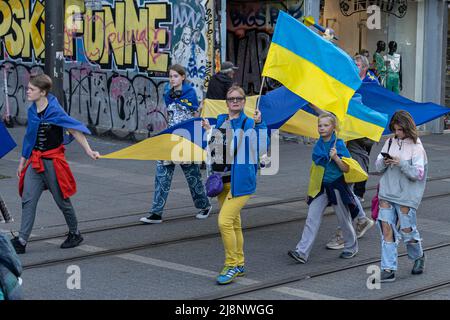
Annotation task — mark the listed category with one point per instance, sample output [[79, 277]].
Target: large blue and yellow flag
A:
[[388, 102], [6, 141], [184, 142], [284, 110], [310, 66], [367, 116]]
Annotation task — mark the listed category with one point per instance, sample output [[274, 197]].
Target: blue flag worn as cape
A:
[[53, 114], [6, 141], [188, 97], [321, 155]]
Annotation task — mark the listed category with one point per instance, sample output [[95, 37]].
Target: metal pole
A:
[[54, 46], [223, 30], [435, 43], [312, 8]]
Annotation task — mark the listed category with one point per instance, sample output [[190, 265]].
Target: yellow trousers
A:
[[230, 226]]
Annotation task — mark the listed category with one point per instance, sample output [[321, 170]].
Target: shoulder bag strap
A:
[[389, 145]]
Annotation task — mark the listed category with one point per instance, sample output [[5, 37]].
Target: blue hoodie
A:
[[243, 175]]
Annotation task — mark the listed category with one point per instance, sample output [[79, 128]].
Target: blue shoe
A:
[[240, 271], [296, 256], [227, 275], [347, 255]]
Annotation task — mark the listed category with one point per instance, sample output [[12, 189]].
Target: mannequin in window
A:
[[393, 69], [379, 65]]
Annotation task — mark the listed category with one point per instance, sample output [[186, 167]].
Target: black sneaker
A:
[[18, 246], [204, 213], [387, 276], [296, 256], [419, 265], [153, 218], [73, 240]]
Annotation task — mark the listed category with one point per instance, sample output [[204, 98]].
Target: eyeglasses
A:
[[235, 99]]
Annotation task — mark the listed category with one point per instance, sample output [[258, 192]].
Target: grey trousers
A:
[[314, 219], [34, 185]]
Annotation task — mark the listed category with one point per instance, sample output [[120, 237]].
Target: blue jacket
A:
[[245, 165]]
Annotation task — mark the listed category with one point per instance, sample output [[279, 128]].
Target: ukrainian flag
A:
[[284, 110], [311, 67], [382, 100], [359, 121], [183, 142]]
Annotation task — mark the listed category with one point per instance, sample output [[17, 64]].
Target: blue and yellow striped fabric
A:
[[382, 100], [311, 66], [284, 110], [183, 142]]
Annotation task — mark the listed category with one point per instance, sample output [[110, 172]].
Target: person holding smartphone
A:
[[404, 165]]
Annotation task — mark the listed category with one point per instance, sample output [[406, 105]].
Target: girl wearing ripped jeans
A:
[[403, 164]]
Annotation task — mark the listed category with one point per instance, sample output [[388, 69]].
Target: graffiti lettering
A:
[[105, 101], [260, 15], [116, 57]]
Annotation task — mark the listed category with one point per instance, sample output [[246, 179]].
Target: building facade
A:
[[116, 58], [418, 28], [117, 52]]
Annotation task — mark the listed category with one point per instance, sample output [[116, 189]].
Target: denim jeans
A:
[[163, 180], [392, 215]]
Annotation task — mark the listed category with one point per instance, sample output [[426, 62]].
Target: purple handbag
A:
[[214, 185]]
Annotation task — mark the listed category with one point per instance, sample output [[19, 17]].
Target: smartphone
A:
[[386, 155]]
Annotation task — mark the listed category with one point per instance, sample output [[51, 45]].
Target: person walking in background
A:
[[43, 164], [404, 167], [221, 82], [238, 173], [182, 104], [360, 151]]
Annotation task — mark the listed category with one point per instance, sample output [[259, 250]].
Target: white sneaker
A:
[[153, 218], [204, 213], [337, 242]]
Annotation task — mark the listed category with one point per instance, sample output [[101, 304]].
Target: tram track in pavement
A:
[[185, 217], [153, 244], [419, 291], [248, 289]]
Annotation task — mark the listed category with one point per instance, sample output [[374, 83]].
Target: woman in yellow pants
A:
[[236, 138]]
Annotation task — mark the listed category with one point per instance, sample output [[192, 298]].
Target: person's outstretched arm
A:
[[81, 139]]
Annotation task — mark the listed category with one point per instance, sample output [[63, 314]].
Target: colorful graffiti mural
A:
[[250, 27], [125, 106], [116, 57]]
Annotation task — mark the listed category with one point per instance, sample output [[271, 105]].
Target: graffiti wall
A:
[[117, 58], [250, 27]]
